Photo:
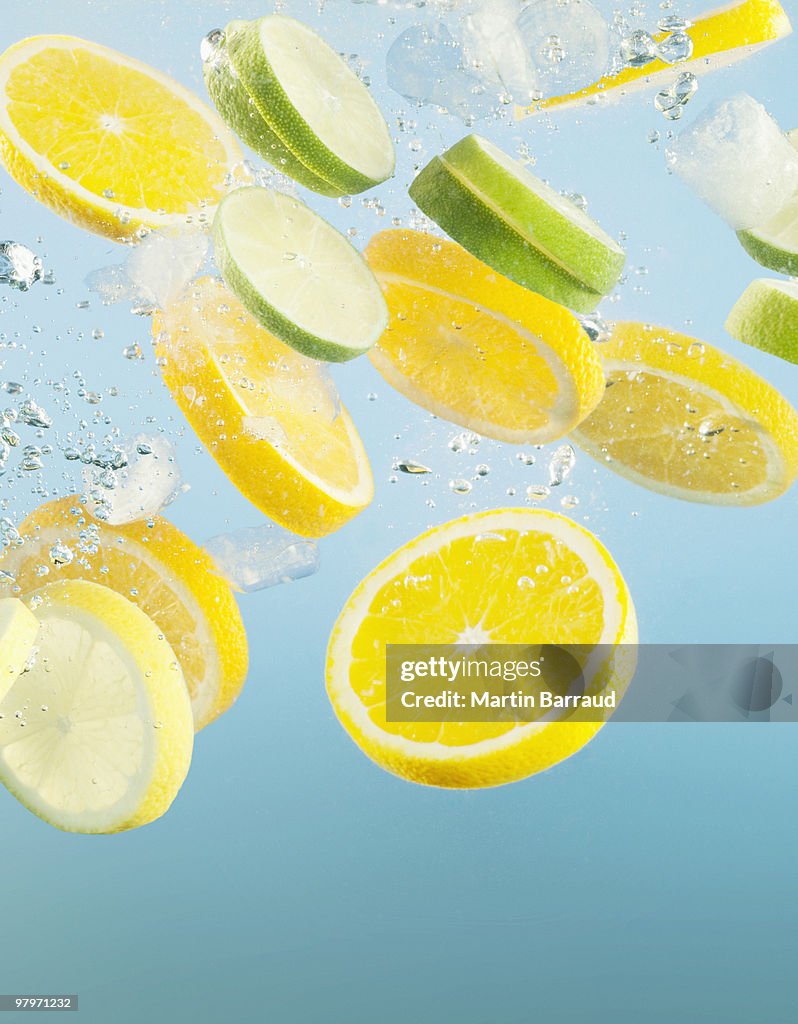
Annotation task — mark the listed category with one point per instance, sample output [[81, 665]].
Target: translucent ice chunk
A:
[[495, 50], [146, 481], [20, 267], [157, 271], [426, 64], [262, 556], [736, 158], [568, 43]]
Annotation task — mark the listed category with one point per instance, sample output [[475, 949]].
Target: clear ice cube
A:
[[148, 480], [738, 161], [156, 272], [20, 267], [426, 64], [495, 50], [568, 43], [259, 557]]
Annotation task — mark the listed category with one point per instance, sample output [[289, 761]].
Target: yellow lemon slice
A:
[[97, 735], [476, 349], [106, 141], [269, 416], [720, 37], [685, 419], [18, 629], [158, 568], [512, 576]]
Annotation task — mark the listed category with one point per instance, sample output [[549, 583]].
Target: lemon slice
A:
[[18, 629], [687, 420], [108, 142], [476, 349], [270, 417], [720, 37], [158, 568], [97, 735], [512, 576]]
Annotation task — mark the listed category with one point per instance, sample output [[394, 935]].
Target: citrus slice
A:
[[106, 141], [775, 245], [97, 735], [18, 629], [720, 37], [309, 100], [766, 317], [270, 418], [476, 349], [512, 576], [160, 569], [297, 275], [517, 224], [685, 419]]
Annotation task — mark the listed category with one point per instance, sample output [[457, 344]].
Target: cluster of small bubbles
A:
[[61, 554], [671, 102], [552, 50], [465, 442], [411, 467], [637, 49], [32, 415], [597, 329], [460, 486], [9, 534], [526, 459], [20, 267], [561, 465]]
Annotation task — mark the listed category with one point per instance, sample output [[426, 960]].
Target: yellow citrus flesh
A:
[[268, 415], [108, 142], [161, 570], [685, 419], [476, 349], [512, 576], [97, 735], [720, 37], [18, 629]]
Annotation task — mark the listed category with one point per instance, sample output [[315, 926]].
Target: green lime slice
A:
[[319, 119], [766, 317], [238, 112], [517, 224], [297, 275], [775, 245]]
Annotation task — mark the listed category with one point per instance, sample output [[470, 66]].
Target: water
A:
[[293, 878]]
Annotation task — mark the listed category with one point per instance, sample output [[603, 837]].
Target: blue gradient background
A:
[[650, 879]]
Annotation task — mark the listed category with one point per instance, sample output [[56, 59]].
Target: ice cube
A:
[[426, 64], [157, 271], [738, 161], [568, 43], [20, 267], [496, 51], [259, 557], [148, 480]]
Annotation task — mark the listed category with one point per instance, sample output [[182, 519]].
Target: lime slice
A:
[[297, 275], [517, 224], [766, 317], [300, 106], [775, 245], [18, 629], [97, 735]]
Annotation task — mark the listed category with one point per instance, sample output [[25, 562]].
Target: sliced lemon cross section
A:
[[270, 417], [512, 576], [97, 735], [685, 419], [106, 141], [477, 349], [160, 569]]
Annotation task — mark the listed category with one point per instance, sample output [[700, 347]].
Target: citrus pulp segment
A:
[[18, 629]]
